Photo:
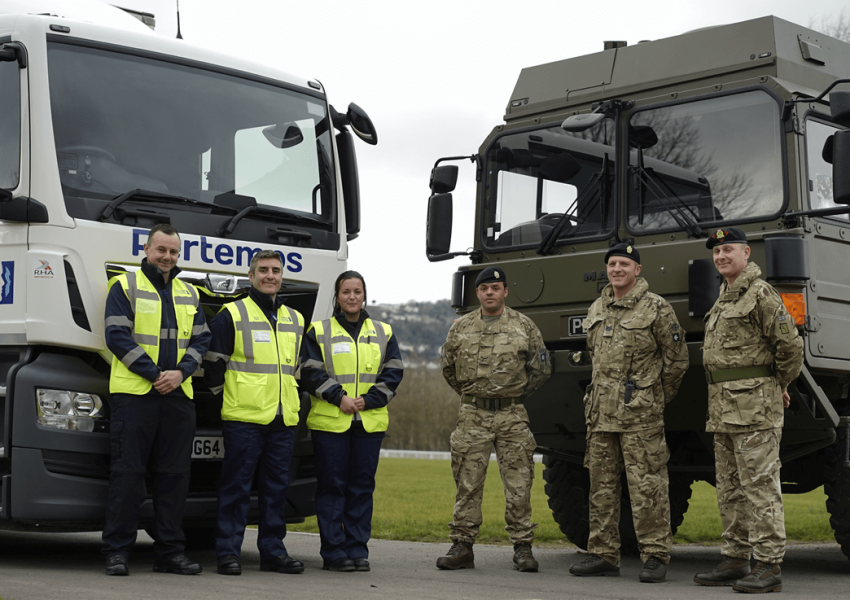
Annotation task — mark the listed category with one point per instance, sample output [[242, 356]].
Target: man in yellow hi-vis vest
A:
[[253, 359], [158, 336]]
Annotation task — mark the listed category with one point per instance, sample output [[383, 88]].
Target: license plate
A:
[[208, 447], [576, 328]]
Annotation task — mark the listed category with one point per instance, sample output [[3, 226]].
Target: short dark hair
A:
[[261, 255], [165, 228], [345, 276]]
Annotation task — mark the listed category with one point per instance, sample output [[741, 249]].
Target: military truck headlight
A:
[[62, 409]]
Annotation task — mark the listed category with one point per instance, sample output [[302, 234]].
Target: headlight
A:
[[62, 409]]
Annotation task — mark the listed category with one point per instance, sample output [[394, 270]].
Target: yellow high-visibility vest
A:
[[261, 371], [355, 366], [147, 329]]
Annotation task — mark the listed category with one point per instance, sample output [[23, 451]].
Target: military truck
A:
[[660, 144]]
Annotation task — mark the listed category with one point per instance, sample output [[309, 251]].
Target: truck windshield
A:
[[705, 162], [123, 122], [541, 177], [820, 171]]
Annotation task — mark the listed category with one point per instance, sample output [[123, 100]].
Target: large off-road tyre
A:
[[837, 488], [567, 487]]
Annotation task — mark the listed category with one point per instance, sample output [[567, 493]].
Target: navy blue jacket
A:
[[378, 395], [119, 338]]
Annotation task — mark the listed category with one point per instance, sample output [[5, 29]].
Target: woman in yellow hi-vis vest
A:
[[351, 366]]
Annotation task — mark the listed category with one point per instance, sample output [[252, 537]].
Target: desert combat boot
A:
[[524, 559], [727, 572], [459, 556], [595, 566], [764, 578]]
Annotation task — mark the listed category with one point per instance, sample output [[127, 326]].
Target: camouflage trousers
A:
[[643, 455], [478, 432], [749, 494]]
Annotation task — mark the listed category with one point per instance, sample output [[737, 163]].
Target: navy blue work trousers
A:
[[157, 431], [248, 446], [346, 464]]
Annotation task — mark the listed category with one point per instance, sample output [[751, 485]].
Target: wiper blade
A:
[[143, 195], [231, 223], [672, 204]]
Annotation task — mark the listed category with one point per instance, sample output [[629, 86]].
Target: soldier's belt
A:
[[740, 373], [490, 403]]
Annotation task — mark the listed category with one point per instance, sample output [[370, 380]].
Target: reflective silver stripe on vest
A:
[[382, 342], [168, 334], [328, 384], [246, 326], [368, 378], [184, 300], [119, 322], [148, 340], [214, 356], [244, 367], [199, 329], [287, 370], [327, 345], [347, 378], [383, 388], [183, 344], [340, 338], [310, 363], [132, 356], [194, 354], [295, 328]]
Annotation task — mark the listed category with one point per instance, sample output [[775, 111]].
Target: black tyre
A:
[[567, 488], [837, 488]]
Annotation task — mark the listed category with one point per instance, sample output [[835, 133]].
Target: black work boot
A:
[[459, 556], [524, 559], [764, 578], [654, 571], [595, 566], [727, 572]]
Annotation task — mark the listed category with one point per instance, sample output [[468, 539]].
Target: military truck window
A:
[[538, 179], [820, 171], [10, 125], [706, 162]]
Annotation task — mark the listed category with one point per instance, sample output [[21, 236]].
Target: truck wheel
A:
[[837, 488], [567, 487]]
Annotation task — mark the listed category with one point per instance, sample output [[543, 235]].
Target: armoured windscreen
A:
[[546, 182], [820, 171], [123, 122], [712, 161]]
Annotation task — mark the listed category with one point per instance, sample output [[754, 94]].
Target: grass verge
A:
[[414, 499]]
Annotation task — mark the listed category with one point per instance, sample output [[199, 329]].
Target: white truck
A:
[[106, 130]]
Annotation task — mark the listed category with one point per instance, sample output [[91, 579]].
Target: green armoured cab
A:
[[660, 144]]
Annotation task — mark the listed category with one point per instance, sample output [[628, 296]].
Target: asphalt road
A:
[[69, 566]]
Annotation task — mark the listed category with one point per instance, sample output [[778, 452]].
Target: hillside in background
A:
[[421, 328]]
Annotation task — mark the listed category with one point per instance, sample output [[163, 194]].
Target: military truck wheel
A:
[[567, 488], [837, 488]]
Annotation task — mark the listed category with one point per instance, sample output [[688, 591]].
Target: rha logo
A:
[[7, 282], [42, 270]]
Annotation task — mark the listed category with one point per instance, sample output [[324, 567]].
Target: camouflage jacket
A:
[[636, 338], [749, 326], [506, 359]]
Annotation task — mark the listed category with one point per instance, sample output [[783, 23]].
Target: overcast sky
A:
[[435, 77]]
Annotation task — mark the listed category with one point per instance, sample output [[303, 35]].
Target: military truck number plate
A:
[[208, 447], [575, 325]]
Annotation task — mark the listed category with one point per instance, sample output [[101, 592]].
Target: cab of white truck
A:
[[106, 130]]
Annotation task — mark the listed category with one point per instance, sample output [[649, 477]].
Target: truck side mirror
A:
[[839, 106], [361, 124], [836, 150], [444, 180], [439, 232], [350, 183]]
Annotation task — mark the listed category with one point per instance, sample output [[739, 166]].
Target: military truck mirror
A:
[[559, 168], [579, 123], [439, 229], [839, 107], [826, 153], [642, 136], [443, 180], [840, 167], [361, 124], [286, 135]]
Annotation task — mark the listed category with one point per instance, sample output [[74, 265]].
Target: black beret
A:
[[729, 235], [623, 249], [491, 275]]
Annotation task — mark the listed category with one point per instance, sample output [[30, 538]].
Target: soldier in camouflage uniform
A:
[[493, 358], [639, 358], [751, 353]]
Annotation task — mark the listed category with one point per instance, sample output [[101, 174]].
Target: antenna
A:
[[179, 35]]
